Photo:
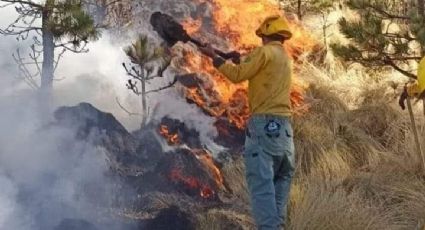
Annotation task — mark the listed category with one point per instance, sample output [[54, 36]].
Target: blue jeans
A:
[[269, 165]]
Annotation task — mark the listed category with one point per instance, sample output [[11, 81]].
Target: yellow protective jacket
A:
[[417, 88], [269, 72]]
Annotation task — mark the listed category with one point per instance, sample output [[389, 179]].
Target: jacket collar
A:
[[273, 43]]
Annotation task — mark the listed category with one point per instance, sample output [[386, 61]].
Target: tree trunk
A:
[[48, 56], [144, 104], [421, 7], [421, 12], [325, 30], [300, 14]]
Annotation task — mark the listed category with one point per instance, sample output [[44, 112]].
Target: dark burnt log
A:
[[169, 30], [172, 32]]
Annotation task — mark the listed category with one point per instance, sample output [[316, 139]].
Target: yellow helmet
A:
[[421, 76], [274, 25]]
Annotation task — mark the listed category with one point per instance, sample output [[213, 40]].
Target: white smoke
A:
[[45, 174]]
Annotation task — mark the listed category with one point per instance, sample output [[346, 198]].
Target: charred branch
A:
[[25, 73], [169, 85], [94, 3], [21, 33], [28, 3], [133, 72], [126, 110], [390, 62], [35, 55], [56, 62], [74, 46], [24, 23], [132, 85]]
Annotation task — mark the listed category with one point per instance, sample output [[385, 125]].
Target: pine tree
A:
[[302, 7], [143, 56], [61, 24], [385, 34]]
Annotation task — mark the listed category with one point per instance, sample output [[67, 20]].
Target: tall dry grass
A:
[[357, 163]]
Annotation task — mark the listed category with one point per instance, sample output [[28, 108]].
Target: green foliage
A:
[[304, 6], [69, 20], [320, 5], [385, 33], [141, 51]]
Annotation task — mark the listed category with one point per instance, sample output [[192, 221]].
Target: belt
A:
[[268, 117]]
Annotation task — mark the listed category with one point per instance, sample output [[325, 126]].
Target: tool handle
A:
[[415, 133], [234, 56]]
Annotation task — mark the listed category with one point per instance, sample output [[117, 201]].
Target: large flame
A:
[[237, 26], [212, 91], [217, 96]]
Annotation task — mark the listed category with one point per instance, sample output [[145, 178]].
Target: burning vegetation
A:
[[215, 95], [178, 136], [206, 87], [356, 165], [172, 138]]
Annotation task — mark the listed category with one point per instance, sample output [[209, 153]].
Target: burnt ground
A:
[[157, 189]]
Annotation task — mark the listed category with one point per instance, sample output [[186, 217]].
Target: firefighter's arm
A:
[[410, 90], [253, 63]]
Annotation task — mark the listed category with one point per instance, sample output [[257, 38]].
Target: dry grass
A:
[[357, 163], [219, 219], [322, 206]]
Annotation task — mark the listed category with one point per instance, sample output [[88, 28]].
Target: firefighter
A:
[[415, 89], [269, 155]]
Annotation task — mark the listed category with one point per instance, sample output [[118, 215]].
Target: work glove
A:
[[403, 97], [234, 56]]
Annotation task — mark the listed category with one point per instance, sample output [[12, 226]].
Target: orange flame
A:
[[191, 26], [238, 26], [217, 96], [172, 138], [192, 183], [207, 160]]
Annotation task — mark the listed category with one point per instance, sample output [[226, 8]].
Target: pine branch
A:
[[35, 56], [24, 32], [23, 69], [132, 72], [133, 87], [367, 4], [56, 62], [390, 62], [70, 46], [29, 3]]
